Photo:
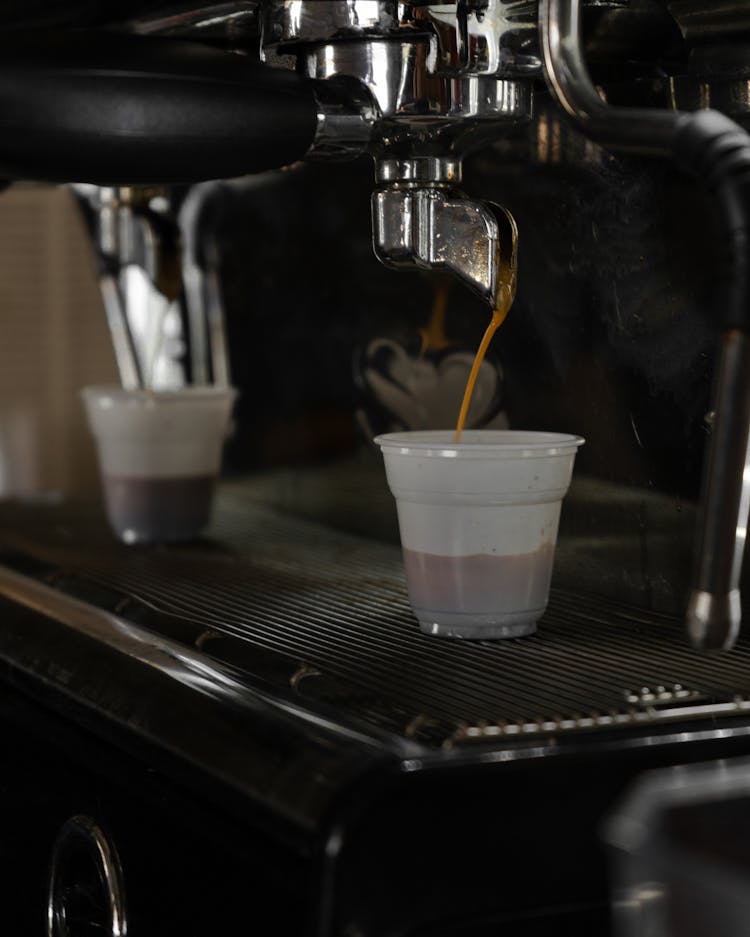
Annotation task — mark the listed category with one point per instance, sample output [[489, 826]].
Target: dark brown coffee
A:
[[144, 510], [480, 584]]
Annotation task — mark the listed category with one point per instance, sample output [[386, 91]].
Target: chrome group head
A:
[[417, 86]]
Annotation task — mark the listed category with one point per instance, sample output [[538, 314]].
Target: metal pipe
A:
[[714, 609], [123, 344], [649, 132]]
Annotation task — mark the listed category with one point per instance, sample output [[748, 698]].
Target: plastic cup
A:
[[159, 455], [478, 523]]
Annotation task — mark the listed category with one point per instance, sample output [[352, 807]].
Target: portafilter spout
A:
[[421, 218]]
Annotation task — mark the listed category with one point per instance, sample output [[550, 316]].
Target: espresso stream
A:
[[504, 295], [498, 317]]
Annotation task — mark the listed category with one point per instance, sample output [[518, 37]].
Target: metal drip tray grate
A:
[[326, 614]]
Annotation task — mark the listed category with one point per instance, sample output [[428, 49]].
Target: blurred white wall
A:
[[53, 341]]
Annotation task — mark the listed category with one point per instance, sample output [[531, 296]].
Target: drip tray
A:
[[324, 614]]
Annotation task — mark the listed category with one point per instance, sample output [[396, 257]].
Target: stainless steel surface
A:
[[105, 909], [398, 75], [336, 605], [714, 619], [714, 614], [428, 169], [310, 21], [346, 117], [493, 38], [386, 68]]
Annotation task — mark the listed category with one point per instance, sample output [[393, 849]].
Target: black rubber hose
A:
[[712, 147], [117, 109], [40, 14]]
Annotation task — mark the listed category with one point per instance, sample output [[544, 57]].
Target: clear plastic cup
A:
[[478, 523], [159, 455]]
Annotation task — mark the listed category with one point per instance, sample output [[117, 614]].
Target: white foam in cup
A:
[[478, 522], [159, 455]]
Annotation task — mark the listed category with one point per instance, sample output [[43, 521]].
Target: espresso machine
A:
[[248, 730]]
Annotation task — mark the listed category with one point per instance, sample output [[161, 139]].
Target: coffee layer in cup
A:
[[481, 583], [148, 509]]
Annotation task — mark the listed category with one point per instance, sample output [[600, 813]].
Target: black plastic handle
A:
[[118, 109]]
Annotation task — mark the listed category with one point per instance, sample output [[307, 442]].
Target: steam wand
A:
[[710, 146]]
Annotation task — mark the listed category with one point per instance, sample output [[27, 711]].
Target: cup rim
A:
[[490, 441], [99, 393]]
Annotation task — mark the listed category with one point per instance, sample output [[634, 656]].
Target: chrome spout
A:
[[420, 218]]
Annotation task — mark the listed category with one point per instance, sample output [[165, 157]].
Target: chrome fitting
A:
[[346, 117]]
